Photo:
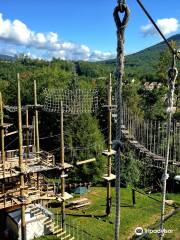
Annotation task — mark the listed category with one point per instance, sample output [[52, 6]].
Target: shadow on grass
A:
[[122, 205]]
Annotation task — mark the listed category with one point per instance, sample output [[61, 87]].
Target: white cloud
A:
[[98, 55], [166, 25], [17, 33]]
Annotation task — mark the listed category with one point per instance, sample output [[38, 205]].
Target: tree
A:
[[84, 140], [130, 173]]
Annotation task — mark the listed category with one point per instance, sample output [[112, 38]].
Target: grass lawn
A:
[[92, 218]]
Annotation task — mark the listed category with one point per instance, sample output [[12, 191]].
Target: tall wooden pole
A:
[[27, 133], [62, 166], [36, 119], [34, 132], [23, 221], [36, 128], [108, 200], [2, 134]]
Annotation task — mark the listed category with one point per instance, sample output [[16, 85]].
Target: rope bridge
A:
[[149, 137]]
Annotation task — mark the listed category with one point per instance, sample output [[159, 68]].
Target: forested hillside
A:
[[144, 63]]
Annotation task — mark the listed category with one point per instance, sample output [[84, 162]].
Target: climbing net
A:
[[74, 101]]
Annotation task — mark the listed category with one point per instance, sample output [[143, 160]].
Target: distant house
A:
[[152, 85], [36, 217]]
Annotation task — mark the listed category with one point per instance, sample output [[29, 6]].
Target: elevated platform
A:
[[109, 153], [43, 162], [6, 125], [65, 166], [109, 178], [66, 197], [32, 193]]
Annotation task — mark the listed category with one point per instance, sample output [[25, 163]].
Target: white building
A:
[[38, 222]]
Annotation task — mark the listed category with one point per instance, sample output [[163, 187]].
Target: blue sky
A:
[[80, 29]]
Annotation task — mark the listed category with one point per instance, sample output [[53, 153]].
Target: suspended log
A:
[[85, 161], [10, 133]]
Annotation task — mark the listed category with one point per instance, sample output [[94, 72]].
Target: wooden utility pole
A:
[[62, 166], [2, 134], [36, 128], [23, 221], [108, 200]]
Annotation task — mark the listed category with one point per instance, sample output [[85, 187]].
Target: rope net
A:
[[74, 101]]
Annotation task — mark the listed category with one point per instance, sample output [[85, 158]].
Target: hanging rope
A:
[[172, 75], [121, 25]]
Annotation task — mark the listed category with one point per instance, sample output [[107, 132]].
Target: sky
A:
[[80, 30]]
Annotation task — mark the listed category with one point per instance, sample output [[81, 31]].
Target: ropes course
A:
[[155, 140]]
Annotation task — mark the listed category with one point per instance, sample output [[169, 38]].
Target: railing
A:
[[32, 192], [44, 159], [75, 231]]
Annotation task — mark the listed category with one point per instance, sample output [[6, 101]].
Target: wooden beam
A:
[[11, 133], [85, 161]]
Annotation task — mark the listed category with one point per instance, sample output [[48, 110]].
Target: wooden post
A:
[[27, 133], [133, 197], [36, 128], [3, 190], [154, 138], [62, 165], [2, 134], [108, 200], [158, 137], [23, 221], [175, 142], [34, 131]]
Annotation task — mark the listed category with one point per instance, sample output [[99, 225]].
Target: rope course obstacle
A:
[[74, 101], [152, 139], [69, 102]]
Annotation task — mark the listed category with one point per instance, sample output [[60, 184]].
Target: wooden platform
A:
[[65, 166], [66, 197], [109, 178], [109, 153], [33, 164]]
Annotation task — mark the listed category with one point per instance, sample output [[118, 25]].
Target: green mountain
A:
[[145, 61], [141, 64], [6, 57]]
